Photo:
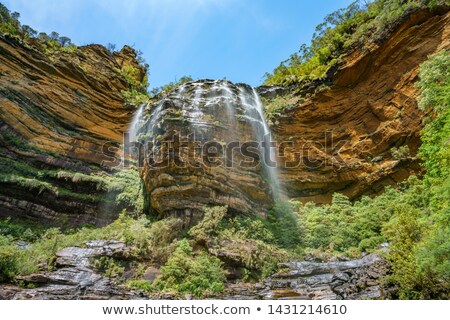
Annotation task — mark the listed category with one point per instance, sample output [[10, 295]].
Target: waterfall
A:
[[135, 123], [198, 93], [267, 136], [200, 103], [228, 97], [255, 114]]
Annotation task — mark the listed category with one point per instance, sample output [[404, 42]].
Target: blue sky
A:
[[236, 39]]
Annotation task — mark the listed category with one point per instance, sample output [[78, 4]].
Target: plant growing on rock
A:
[[208, 226], [342, 31], [186, 272]]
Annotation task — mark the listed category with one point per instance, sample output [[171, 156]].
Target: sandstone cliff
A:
[[344, 128], [200, 131], [57, 111]]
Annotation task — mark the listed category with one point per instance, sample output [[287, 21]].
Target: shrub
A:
[[208, 225], [141, 284], [248, 228], [285, 226], [109, 267], [403, 231], [8, 259], [162, 238], [128, 184], [135, 97], [170, 86], [400, 152], [26, 261], [434, 84], [185, 272]]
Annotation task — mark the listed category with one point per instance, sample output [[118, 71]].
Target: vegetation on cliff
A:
[[50, 44], [54, 45], [413, 219], [36, 166], [343, 31]]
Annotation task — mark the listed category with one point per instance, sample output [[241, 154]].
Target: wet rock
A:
[[75, 277], [272, 91], [196, 159], [352, 279]]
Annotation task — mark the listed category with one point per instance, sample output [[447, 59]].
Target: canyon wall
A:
[[58, 111], [344, 128]]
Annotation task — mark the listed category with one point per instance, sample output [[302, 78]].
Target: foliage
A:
[[285, 225], [258, 258], [207, 227], [25, 230], [137, 92], [109, 267], [163, 236], [186, 272], [414, 219], [111, 47], [252, 241], [50, 44], [16, 142], [434, 84], [128, 184], [124, 187], [342, 31], [404, 232], [131, 76], [274, 106], [140, 284], [401, 152], [8, 258], [135, 97], [170, 86], [244, 227], [43, 250], [53, 44]]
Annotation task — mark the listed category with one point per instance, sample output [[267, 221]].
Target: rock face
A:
[[344, 127], [70, 104], [353, 279], [74, 277], [56, 113], [197, 140]]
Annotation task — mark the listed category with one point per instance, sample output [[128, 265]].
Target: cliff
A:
[[200, 139], [57, 111], [343, 133], [65, 114], [345, 130]]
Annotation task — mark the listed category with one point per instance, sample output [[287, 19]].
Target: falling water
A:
[[198, 93], [272, 170], [135, 123], [228, 97], [219, 93], [255, 114]]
